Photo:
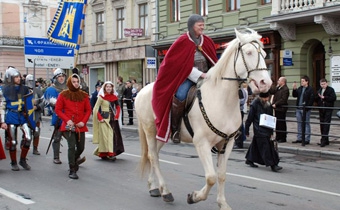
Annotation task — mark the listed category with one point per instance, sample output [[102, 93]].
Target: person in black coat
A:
[[305, 97], [325, 98], [261, 149], [94, 95], [280, 98], [127, 98]]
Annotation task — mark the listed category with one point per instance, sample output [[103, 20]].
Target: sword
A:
[[56, 127]]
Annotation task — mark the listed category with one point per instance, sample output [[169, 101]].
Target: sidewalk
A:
[[331, 151]]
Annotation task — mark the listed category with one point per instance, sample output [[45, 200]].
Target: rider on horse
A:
[[187, 60]]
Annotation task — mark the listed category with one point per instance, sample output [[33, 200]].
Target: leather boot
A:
[[56, 152], [73, 173], [35, 146], [22, 161], [14, 164], [177, 112]]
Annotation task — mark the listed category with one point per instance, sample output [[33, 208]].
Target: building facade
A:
[[20, 18], [310, 30], [306, 30], [117, 40]]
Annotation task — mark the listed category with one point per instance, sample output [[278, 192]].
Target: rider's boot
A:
[[177, 112]]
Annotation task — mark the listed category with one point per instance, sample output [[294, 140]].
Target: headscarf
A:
[[102, 90], [74, 94]]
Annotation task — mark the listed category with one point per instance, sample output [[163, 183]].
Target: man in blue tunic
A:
[[15, 111]]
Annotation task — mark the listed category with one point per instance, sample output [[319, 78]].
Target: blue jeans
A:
[[183, 89], [299, 113]]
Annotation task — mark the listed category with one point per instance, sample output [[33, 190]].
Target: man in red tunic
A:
[[187, 60]]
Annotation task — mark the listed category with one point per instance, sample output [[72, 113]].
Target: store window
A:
[[131, 70]]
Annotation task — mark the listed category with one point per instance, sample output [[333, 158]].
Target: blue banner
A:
[[66, 25]]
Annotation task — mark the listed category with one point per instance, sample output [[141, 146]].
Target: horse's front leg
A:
[[222, 160], [204, 153], [155, 170]]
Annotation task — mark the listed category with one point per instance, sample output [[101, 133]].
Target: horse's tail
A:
[[144, 164]]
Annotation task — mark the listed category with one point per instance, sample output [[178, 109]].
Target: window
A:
[[174, 11], [100, 26], [202, 7], [143, 18], [233, 5], [266, 1], [120, 23]]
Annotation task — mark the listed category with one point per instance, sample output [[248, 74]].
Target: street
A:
[[304, 183]]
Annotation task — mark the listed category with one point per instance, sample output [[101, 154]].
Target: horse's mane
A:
[[224, 63]]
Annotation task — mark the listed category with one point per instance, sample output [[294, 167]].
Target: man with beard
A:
[[261, 149], [50, 96]]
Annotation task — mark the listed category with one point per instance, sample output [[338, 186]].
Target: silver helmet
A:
[[11, 72], [30, 81], [58, 72]]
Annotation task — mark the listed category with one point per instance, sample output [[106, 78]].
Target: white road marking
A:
[[246, 177], [15, 196], [160, 160], [285, 184]]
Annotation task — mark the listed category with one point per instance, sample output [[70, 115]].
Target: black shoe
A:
[[281, 140], [24, 164], [237, 147], [306, 142], [73, 175], [251, 164], [15, 166], [276, 168], [297, 141], [129, 124], [57, 161]]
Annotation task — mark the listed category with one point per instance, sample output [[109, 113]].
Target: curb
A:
[[282, 149]]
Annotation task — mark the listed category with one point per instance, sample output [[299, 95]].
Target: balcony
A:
[[286, 14]]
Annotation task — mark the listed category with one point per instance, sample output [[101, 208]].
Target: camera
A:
[[70, 128]]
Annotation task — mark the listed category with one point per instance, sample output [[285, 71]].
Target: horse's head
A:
[[249, 61]]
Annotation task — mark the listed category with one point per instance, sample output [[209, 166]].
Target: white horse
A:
[[215, 116]]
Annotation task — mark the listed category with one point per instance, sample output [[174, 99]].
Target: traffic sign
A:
[[46, 54]]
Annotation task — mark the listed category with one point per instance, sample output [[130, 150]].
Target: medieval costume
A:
[[50, 98], [261, 149], [106, 131], [38, 109], [15, 111], [174, 70], [74, 109]]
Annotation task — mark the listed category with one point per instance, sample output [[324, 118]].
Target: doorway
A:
[[318, 58]]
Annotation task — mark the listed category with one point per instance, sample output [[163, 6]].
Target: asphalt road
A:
[[304, 183]]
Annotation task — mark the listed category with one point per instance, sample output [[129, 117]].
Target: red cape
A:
[[175, 68]]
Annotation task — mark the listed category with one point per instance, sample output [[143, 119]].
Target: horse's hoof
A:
[[168, 198], [155, 193], [190, 198]]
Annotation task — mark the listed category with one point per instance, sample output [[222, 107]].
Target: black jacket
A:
[[256, 109], [308, 96], [330, 97]]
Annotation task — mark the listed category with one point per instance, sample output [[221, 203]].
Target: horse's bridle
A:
[[239, 50], [226, 137]]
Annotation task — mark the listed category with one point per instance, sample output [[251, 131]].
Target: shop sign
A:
[[150, 63], [133, 32], [335, 72]]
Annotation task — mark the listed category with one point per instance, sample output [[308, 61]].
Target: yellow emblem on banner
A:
[[67, 26]]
